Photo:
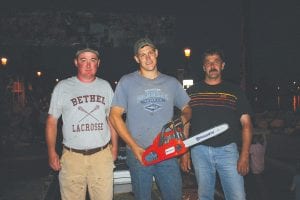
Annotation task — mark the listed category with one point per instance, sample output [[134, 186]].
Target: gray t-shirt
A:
[[84, 108], [148, 103]]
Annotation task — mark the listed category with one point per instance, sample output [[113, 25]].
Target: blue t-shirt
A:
[[148, 103]]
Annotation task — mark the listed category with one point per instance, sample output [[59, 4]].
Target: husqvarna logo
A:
[[205, 135]]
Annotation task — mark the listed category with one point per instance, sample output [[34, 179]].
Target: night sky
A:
[[274, 39], [272, 35]]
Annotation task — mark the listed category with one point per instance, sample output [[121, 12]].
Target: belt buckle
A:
[[86, 152]]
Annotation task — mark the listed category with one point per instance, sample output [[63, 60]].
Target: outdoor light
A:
[[3, 61], [187, 68], [187, 52], [39, 73]]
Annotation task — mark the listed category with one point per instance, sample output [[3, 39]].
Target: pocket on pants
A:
[[230, 148]]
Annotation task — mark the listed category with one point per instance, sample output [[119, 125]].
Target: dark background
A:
[[268, 31], [260, 40]]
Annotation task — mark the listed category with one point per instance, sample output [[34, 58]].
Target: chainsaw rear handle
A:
[[155, 154], [167, 144]]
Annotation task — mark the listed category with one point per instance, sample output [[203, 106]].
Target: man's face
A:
[[213, 66], [147, 58], [87, 64]]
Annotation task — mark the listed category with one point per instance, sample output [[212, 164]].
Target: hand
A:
[[185, 162], [138, 152], [54, 161], [243, 165]]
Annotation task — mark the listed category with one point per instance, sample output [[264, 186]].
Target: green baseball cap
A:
[[141, 43], [87, 50]]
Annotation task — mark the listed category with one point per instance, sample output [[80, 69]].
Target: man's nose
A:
[[212, 64], [147, 56], [89, 63]]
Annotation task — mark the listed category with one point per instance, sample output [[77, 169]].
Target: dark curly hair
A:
[[213, 51]]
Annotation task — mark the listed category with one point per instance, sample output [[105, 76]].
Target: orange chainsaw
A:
[[171, 142]]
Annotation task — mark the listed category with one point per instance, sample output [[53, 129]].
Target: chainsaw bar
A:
[[175, 146], [200, 137]]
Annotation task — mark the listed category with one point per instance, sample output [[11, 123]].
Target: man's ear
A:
[[136, 59], [203, 68], [223, 65], [75, 62]]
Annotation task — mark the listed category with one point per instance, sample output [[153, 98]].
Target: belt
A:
[[86, 152]]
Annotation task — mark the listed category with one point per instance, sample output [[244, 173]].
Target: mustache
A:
[[213, 70]]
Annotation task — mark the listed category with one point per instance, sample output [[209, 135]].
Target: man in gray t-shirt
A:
[[83, 102], [148, 98]]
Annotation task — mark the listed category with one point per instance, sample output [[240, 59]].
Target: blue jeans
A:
[[209, 160], [167, 176]]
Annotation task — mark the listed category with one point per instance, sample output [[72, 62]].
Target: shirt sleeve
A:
[[120, 95], [109, 101], [55, 107], [243, 106], [182, 98]]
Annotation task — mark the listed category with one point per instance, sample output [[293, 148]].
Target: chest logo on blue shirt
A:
[[152, 99], [152, 107]]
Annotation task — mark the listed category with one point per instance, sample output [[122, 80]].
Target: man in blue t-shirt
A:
[[213, 102], [148, 98]]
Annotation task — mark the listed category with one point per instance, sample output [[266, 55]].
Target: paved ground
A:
[[29, 179], [189, 190], [25, 175]]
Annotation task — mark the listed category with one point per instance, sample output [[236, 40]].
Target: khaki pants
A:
[[81, 171]]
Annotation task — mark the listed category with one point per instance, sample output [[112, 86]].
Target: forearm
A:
[[246, 142], [185, 117], [119, 125], [51, 134], [114, 135], [243, 163], [185, 161], [246, 137]]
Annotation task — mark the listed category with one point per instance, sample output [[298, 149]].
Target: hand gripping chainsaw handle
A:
[[167, 144], [170, 142]]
